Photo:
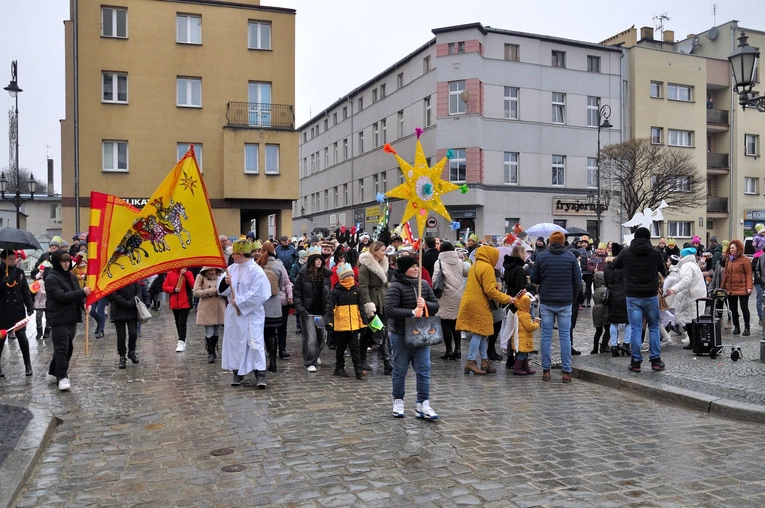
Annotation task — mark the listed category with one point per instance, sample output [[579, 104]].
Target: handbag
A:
[[423, 331], [439, 284], [144, 315]]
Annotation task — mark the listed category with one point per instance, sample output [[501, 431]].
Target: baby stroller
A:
[[155, 290]]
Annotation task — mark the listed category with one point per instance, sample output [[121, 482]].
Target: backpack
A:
[[439, 283], [273, 279]]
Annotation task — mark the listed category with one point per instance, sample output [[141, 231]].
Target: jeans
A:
[[615, 333], [420, 360], [181, 319], [637, 309], [313, 339], [548, 313], [479, 346], [132, 335], [63, 347], [98, 312], [211, 331], [758, 302]]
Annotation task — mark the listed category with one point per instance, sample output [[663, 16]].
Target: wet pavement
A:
[[145, 436]]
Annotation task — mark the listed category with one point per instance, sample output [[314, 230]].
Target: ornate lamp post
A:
[[604, 113], [744, 63]]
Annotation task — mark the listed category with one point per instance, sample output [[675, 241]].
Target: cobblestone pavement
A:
[[14, 421], [144, 436]]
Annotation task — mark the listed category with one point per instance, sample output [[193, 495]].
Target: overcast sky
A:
[[340, 44]]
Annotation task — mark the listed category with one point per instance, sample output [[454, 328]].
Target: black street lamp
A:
[[604, 113], [14, 91], [744, 64]]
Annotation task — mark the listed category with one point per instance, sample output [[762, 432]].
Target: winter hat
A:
[[540, 239], [315, 239], [725, 244], [696, 239], [616, 248], [557, 237], [473, 237], [344, 270], [688, 251], [57, 241], [250, 235], [713, 238], [405, 263], [643, 233], [759, 228], [302, 254]]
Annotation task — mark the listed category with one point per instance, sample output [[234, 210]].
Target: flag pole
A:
[[233, 295], [87, 327]]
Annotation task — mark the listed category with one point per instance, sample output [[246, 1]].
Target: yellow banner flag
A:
[[175, 229]]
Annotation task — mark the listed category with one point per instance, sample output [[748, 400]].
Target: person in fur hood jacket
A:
[[373, 283]]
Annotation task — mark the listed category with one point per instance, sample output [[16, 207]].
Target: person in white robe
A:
[[247, 287]]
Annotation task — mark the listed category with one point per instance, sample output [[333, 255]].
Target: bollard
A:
[[762, 351]]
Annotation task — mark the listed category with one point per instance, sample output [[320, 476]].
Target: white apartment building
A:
[[518, 110]]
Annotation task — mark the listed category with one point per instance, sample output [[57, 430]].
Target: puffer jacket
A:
[[642, 264], [454, 271], [15, 302], [737, 277], [373, 282], [122, 302], [556, 272], [515, 274], [66, 300], [688, 287], [182, 299], [474, 315], [304, 290], [599, 311], [212, 307], [401, 300], [617, 300], [345, 309], [526, 325]]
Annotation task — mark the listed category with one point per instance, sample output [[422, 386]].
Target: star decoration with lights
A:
[[188, 183], [422, 187]]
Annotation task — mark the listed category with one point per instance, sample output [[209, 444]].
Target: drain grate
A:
[[222, 451], [233, 468]]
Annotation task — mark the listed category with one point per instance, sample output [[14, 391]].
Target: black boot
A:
[[604, 345], [210, 350], [388, 367], [595, 344], [616, 351], [214, 344], [260, 378], [123, 362], [271, 348], [133, 357], [272, 362], [457, 355], [360, 371], [39, 334], [448, 353], [492, 351]]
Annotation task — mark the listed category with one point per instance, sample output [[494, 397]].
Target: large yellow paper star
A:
[[422, 188]]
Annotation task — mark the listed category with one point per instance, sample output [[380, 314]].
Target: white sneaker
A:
[[318, 361], [645, 347], [64, 385], [398, 408], [181, 346], [423, 410], [49, 378], [311, 368]]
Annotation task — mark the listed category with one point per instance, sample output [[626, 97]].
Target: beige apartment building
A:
[[147, 78]]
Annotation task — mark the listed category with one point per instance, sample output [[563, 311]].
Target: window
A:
[[326, 157], [657, 135], [374, 95], [427, 104], [326, 124], [334, 119], [313, 163], [337, 197], [376, 182], [558, 58], [452, 48], [345, 194], [345, 112], [318, 162], [558, 170], [426, 65], [680, 184], [305, 137], [400, 124], [361, 103], [593, 115], [361, 142], [679, 229], [312, 132], [679, 93], [114, 87], [182, 148], [189, 29], [376, 134], [400, 80], [272, 159], [512, 53], [593, 63], [680, 138], [334, 153], [113, 22], [385, 182], [750, 185], [461, 47], [656, 229], [558, 107], [592, 172], [259, 35], [511, 103], [251, 159], [382, 91], [115, 156], [751, 144], [456, 105], [361, 190], [656, 89], [511, 168], [345, 149], [458, 166], [384, 123], [190, 92]]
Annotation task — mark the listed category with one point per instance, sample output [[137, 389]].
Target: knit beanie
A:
[[643, 233], [557, 237], [688, 252], [344, 270], [404, 263]]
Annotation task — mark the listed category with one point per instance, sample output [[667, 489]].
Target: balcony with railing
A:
[[260, 115], [717, 164], [717, 120], [717, 207]]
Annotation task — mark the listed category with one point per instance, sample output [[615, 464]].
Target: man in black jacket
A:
[[430, 256], [642, 264]]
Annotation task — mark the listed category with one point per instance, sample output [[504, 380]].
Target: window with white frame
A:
[[182, 148], [115, 156], [427, 106], [655, 89], [115, 87], [345, 149], [334, 153], [657, 135], [384, 125], [400, 124], [558, 107], [751, 144], [361, 142], [114, 22], [679, 92], [593, 63], [512, 52], [593, 116], [511, 168], [190, 92], [376, 134], [558, 58], [680, 138], [189, 28], [458, 166], [456, 105], [679, 228], [272, 159], [680, 184], [251, 158], [750, 185], [511, 103], [592, 172], [259, 35], [559, 170], [656, 229]]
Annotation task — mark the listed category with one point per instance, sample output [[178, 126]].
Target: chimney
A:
[[646, 33], [50, 178], [669, 36]]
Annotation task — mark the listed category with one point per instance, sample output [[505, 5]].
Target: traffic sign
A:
[[432, 222]]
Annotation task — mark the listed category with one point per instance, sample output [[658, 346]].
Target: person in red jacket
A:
[[180, 283]]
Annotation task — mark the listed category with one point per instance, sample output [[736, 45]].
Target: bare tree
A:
[[24, 174], [646, 174]]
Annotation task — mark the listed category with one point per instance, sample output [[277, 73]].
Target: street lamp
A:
[[604, 113], [14, 90], [744, 64]]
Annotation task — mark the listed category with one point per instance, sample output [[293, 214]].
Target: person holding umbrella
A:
[[16, 301]]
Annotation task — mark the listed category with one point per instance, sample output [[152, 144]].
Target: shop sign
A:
[[569, 205]]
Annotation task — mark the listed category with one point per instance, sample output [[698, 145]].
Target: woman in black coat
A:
[[125, 314], [16, 304], [64, 307], [617, 306], [310, 293]]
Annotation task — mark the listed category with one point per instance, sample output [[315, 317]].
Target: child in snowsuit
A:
[[345, 315], [524, 339]]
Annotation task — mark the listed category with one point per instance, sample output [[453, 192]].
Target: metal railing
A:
[[717, 161], [260, 115], [717, 204], [717, 116]]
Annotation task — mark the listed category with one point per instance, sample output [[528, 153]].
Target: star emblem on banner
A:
[[188, 183]]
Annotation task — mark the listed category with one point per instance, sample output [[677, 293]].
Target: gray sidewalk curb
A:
[[22, 460], [672, 395]]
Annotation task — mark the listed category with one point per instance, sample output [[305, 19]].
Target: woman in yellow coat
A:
[[474, 317]]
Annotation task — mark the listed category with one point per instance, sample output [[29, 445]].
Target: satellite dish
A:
[[695, 41], [465, 96], [712, 34], [686, 47]]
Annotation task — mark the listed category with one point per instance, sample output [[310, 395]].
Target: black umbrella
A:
[[575, 231], [17, 239]]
